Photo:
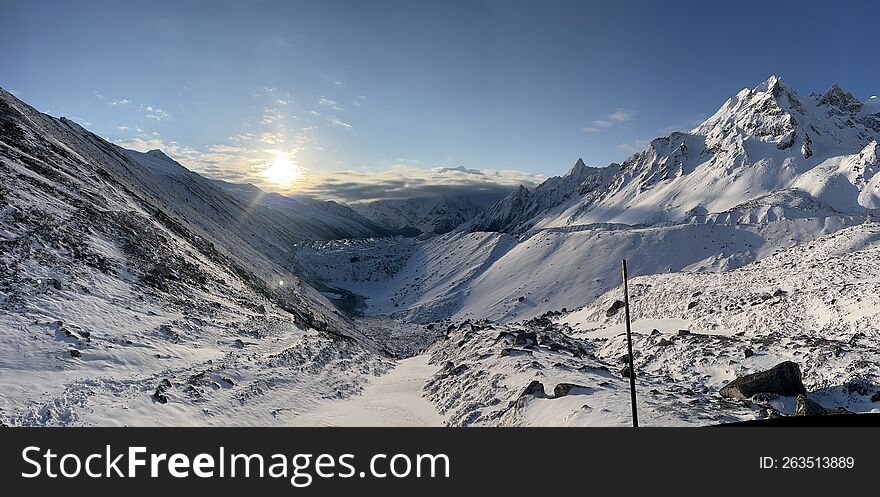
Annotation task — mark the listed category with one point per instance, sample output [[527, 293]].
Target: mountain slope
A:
[[144, 294], [312, 219]]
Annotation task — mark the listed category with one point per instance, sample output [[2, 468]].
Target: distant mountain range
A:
[[767, 153], [413, 216]]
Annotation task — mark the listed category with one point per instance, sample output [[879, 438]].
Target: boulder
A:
[[625, 372], [535, 389], [510, 351], [807, 407], [748, 353], [783, 379], [616, 306], [563, 389], [526, 338]]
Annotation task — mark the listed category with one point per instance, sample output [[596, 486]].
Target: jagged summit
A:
[[841, 99]]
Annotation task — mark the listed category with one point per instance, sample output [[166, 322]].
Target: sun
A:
[[283, 171]]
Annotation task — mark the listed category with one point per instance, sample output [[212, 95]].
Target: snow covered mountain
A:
[[769, 170], [420, 215], [767, 153]]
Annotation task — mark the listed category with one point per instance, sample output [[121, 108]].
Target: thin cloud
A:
[[617, 118], [633, 147], [156, 113], [326, 102], [342, 124]]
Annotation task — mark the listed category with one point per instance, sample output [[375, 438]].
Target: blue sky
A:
[[375, 94]]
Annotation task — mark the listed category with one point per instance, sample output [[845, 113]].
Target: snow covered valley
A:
[[136, 292]]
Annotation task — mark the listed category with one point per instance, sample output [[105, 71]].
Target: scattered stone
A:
[[616, 306], [159, 395], [783, 379]]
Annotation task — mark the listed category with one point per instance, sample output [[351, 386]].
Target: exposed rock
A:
[[526, 338], [664, 342], [75, 353], [858, 385], [875, 397], [509, 351], [808, 407], [616, 306], [159, 395], [783, 379], [535, 389], [625, 372], [563, 389]]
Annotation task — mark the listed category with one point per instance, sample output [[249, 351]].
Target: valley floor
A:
[[393, 399]]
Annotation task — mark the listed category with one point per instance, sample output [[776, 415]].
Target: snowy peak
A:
[[765, 112], [763, 140], [845, 101]]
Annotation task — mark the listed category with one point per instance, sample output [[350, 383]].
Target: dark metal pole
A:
[[629, 345]]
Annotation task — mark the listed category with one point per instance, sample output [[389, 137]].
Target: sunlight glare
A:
[[283, 171]]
